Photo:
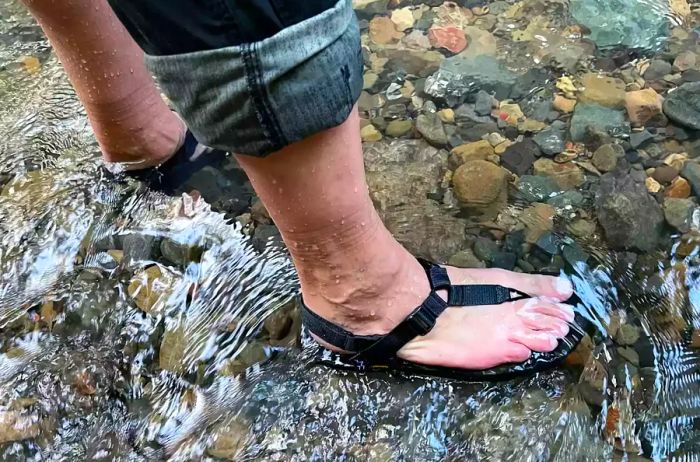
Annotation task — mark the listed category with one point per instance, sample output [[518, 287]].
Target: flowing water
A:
[[135, 326]]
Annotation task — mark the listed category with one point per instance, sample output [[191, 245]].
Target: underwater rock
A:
[[519, 157], [430, 126], [602, 90], [459, 78], [534, 188], [643, 106], [150, 287], [567, 176], [630, 23], [596, 118], [631, 218], [682, 106], [480, 185], [15, 426], [681, 213], [552, 141], [606, 157]]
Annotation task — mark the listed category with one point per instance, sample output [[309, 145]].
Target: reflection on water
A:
[[135, 326]]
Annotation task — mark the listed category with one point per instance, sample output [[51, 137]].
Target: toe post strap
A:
[[419, 323]]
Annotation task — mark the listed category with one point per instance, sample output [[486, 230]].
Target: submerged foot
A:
[[378, 284]]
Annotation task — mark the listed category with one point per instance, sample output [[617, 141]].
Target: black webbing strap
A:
[[418, 323]]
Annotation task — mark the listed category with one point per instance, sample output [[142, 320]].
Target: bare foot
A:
[[378, 284]]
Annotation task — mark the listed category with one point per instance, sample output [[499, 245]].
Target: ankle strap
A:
[[418, 323]]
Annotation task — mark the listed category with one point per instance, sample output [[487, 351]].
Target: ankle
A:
[[136, 135], [367, 283]]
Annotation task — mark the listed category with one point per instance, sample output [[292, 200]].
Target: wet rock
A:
[[399, 128], [150, 288], [519, 157], [643, 106], [563, 104], [450, 38], [259, 213], [485, 249], [229, 440], [652, 185], [255, 352], [139, 247], [639, 139], [607, 156], [630, 217], [691, 172], [679, 189], [460, 77], [680, 213], [479, 150], [266, 236], [403, 172], [582, 228], [657, 69], [628, 334], [430, 126], [592, 117], [447, 115], [537, 188], [16, 426], [602, 90], [180, 253], [481, 185], [427, 230], [665, 174], [567, 176], [369, 133], [484, 103], [504, 260], [538, 220], [621, 23], [686, 60], [629, 355], [466, 259], [403, 18], [567, 199], [551, 141], [682, 106], [382, 31], [415, 62], [279, 323]]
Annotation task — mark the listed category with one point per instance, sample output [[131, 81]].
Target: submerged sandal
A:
[[378, 352], [172, 176]]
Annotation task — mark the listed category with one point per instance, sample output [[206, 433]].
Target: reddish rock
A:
[[679, 189], [449, 37]]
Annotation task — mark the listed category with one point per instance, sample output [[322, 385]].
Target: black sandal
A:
[[378, 352]]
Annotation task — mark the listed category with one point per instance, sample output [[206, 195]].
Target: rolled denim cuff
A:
[[259, 97]]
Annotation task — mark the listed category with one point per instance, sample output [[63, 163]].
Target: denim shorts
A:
[[251, 76]]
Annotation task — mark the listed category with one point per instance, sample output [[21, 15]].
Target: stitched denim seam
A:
[[256, 86]]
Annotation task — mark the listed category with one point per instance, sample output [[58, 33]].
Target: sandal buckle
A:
[[422, 321]]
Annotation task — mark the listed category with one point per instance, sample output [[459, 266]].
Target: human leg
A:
[[131, 121], [261, 99]]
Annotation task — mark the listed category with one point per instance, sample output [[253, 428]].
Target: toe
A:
[[558, 288], [535, 340], [544, 323], [545, 307]]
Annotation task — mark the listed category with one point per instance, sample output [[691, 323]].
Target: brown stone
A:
[[563, 104], [382, 31], [567, 176], [479, 150], [679, 189], [606, 91], [665, 174], [538, 220], [643, 105], [450, 38], [480, 184]]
